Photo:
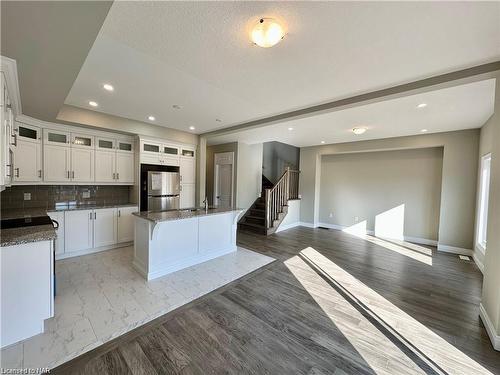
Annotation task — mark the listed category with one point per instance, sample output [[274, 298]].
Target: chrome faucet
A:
[[205, 202]]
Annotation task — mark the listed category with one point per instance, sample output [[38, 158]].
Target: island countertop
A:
[[170, 215]]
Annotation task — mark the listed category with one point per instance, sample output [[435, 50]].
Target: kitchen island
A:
[[167, 241]]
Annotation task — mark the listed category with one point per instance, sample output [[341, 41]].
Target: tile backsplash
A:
[[46, 196]]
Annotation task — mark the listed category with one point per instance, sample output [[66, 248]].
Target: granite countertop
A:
[[18, 236], [22, 235], [170, 215]]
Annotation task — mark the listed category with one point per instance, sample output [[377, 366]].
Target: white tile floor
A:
[[100, 297]]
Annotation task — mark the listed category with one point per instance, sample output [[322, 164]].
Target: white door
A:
[[105, 162], [126, 224], [56, 163], [223, 190], [78, 231], [28, 161], [187, 198], [59, 217], [187, 170], [125, 167], [104, 227], [82, 165]]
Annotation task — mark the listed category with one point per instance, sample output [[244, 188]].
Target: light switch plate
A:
[[86, 194], [27, 196]]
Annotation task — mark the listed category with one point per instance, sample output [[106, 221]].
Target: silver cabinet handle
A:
[[17, 172], [73, 174], [15, 140], [114, 176], [118, 176], [119, 213], [90, 215], [67, 172], [40, 173], [95, 215]]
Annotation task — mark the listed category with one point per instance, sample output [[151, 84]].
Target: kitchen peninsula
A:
[[167, 241]]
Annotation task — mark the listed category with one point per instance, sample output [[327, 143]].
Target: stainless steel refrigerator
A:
[[163, 190]]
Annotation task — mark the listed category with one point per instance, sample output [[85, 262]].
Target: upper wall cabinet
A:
[[82, 141], [27, 154], [56, 137]]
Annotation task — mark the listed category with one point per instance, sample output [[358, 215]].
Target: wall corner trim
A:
[[495, 339], [281, 228], [454, 250], [479, 264]]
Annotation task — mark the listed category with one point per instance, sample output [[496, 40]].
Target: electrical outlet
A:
[[331, 214], [356, 219], [86, 194], [27, 196]]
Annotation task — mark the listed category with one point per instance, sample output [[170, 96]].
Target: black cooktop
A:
[[25, 222]]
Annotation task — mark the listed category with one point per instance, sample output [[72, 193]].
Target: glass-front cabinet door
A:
[[125, 146], [55, 137], [29, 133], [105, 143], [187, 153], [82, 140], [170, 150], [150, 147]]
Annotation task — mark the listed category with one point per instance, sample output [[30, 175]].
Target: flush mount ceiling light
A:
[[422, 105], [358, 131], [322, 142], [151, 118], [267, 32], [108, 87], [290, 129], [424, 130], [192, 128], [93, 104]]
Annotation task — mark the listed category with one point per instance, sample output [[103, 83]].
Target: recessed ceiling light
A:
[[108, 87], [424, 130], [93, 104], [322, 142], [290, 129], [358, 131], [267, 32], [192, 128], [422, 105], [151, 118], [176, 106], [218, 120]]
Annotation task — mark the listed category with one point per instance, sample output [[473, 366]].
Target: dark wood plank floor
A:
[[331, 304]]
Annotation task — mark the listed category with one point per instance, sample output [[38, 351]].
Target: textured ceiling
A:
[[456, 108], [198, 55]]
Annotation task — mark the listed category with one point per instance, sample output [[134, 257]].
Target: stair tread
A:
[[252, 225], [256, 217]]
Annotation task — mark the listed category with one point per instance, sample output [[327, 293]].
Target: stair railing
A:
[[277, 197]]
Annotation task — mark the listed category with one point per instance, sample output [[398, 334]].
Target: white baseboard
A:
[[490, 328], [417, 240], [479, 264], [288, 226], [91, 251], [454, 250], [306, 224]]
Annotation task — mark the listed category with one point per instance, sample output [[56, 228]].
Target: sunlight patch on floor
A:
[[372, 344]]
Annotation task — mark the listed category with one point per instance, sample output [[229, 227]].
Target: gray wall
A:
[[458, 189], [365, 185], [211, 151], [491, 280], [276, 157]]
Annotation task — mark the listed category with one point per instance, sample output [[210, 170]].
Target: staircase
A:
[[269, 210]]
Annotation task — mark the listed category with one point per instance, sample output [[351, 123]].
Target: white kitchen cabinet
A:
[[56, 137], [59, 217], [105, 226], [56, 163], [187, 198], [78, 230], [125, 167], [8, 137], [82, 165], [105, 166], [125, 232], [187, 170], [28, 161], [84, 141]]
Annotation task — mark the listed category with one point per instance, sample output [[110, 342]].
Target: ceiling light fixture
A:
[[422, 105], [358, 131], [290, 129], [322, 142], [151, 118], [424, 130], [108, 87], [93, 104], [192, 128], [267, 32]]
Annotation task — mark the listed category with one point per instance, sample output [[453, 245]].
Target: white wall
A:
[[249, 174], [368, 185]]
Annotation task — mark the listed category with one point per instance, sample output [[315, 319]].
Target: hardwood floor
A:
[[332, 303]]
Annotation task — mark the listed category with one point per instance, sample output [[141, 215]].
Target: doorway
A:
[[224, 179]]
